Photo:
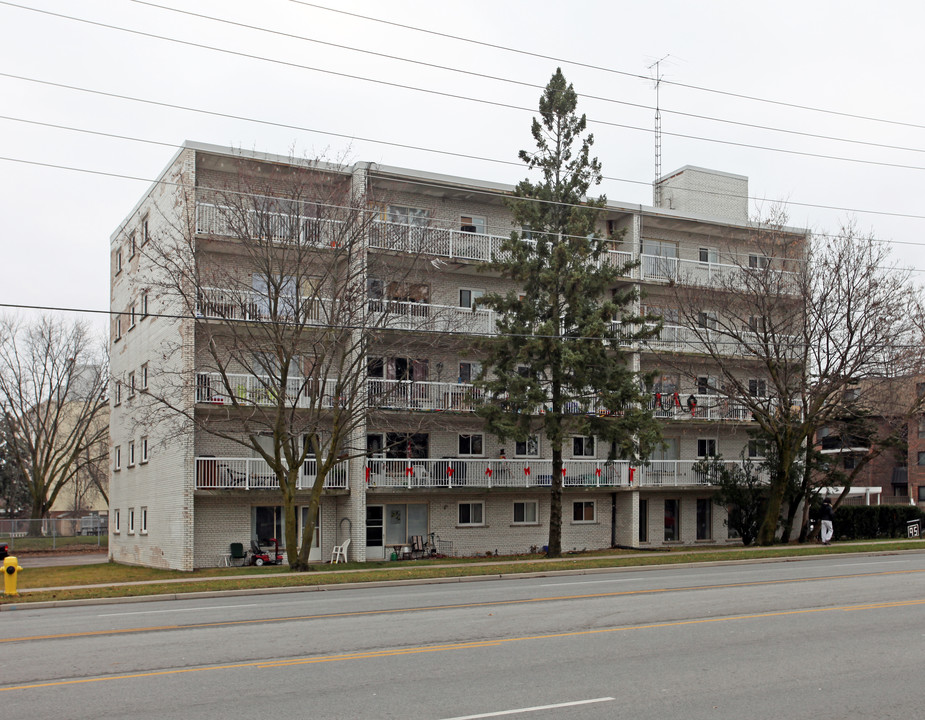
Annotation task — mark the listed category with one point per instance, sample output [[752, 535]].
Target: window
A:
[[143, 520], [144, 304], [758, 261], [144, 231], [922, 427], [756, 323], [849, 462], [117, 393], [582, 446], [921, 459], [757, 387], [757, 448], [706, 385], [525, 513], [131, 453], [583, 511], [469, 371], [119, 327], [471, 513], [706, 447], [527, 448], [118, 261], [144, 450], [472, 224], [468, 297], [117, 457], [131, 521], [132, 244], [131, 317], [921, 493], [672, 520], [920, 389], [643, 520], [471, 445], [407, 215], [709, 255], [704, 519], [144, 376], [131, 384], [116, 521], [707, 319]]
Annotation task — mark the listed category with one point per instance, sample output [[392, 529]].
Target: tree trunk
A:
[[555, 506]]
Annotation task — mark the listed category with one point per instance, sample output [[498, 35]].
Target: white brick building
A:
[[180, 496]]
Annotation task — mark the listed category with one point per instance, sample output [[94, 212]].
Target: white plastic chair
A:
[[339, 553]]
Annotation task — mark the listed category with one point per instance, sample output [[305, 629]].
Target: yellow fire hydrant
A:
[[10, 570]]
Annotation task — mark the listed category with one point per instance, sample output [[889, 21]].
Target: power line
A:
[[522, 83], [624, 73], [389, 143], [454, 96]]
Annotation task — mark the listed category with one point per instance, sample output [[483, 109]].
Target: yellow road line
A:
[[376, 654], [492, 603]]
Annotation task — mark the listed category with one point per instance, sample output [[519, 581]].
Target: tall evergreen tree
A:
[[556, 365]]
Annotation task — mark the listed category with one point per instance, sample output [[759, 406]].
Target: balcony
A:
[[657, 268], [414, 474], [224, 304], [213, 473], [223, 221]]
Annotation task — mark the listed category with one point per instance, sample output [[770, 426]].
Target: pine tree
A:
[[557, 366]]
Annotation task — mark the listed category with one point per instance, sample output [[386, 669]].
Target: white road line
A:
[[173, 610], [865, 564], [537, 708]]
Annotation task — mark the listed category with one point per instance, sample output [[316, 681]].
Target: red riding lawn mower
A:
[[259, 556]]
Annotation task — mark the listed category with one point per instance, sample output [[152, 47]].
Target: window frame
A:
[[704, 525], [587, 443], [584, 505], [116, 458], [143, 520], [471, 504], [131, 521], [144, 450], [525, 504], [474, 295], [474, 222], [526, 446], [705, 443], [116, 521], [471, 441]]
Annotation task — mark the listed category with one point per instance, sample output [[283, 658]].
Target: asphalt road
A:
[[832, 636]]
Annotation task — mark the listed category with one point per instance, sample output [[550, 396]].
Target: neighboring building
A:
[[178, 500]]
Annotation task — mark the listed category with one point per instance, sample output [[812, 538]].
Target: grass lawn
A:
[[66, 578]]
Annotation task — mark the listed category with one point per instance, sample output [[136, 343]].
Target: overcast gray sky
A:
[[853, 58]]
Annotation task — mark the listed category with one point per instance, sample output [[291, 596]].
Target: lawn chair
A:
[[339, 554], [238, 553], [417, 547]]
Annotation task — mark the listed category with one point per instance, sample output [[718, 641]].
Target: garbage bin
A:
[[914, 528]]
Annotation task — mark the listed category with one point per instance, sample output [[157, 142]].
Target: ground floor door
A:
[[314, 554], [375, 532]]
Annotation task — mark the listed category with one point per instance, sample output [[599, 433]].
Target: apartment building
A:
[[183, 484]]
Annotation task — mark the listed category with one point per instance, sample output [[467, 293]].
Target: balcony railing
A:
[[226, 221], [693, 272], [529, 473], [214, 473], [430, 396], [224, 304]]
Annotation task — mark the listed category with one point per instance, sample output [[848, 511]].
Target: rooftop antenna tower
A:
[[658, 132]]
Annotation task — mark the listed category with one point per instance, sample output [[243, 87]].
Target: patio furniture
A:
[[339, 554]]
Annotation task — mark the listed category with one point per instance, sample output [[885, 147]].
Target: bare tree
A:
[[288, 302], [53, 391], [793, 330]]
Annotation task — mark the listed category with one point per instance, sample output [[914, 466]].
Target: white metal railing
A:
[[432, 396], [531, 472], [404, 315], [255, 474], [212, 219], [224, 304], [694, 272], [487, 473], [432, 240], [259, 390]]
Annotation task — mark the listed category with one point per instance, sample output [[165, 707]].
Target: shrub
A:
[[855, 522]]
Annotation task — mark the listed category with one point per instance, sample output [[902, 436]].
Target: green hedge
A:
[[858, 522]]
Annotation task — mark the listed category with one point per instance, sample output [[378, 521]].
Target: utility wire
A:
[[406, 146], [522, 83], [624, 73], [454, 96]]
